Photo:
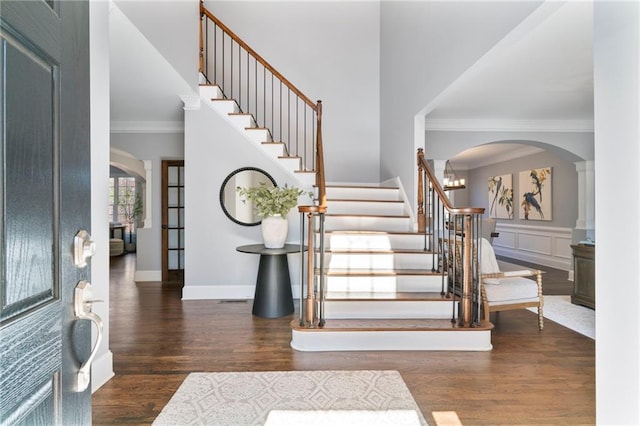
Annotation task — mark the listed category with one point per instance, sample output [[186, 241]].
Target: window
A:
[[123, 201]]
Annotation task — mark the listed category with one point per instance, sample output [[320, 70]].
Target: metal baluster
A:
[[300, 313]]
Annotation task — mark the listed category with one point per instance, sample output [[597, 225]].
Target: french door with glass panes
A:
[[173, 221]]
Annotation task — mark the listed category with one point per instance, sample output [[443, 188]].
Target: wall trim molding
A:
[[544, 245], [481, 125], [147, 127], [148, 276], [101, 371], [226, 292]]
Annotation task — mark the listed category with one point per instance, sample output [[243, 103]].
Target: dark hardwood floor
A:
[[529, 377]]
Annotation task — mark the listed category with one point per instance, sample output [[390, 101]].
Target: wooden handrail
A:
[[204, 11], [435, 184]]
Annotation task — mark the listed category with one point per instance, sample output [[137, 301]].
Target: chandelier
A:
[[451, 180]]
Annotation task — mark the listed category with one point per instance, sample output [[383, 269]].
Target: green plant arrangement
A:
[[271, 201], [130, 209]]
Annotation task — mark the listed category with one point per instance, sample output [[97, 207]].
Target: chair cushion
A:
[[511, 289], [488, 262]]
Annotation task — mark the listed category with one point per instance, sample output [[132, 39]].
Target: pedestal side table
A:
[[273, 298]]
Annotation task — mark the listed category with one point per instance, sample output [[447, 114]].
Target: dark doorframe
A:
[[173, 221]]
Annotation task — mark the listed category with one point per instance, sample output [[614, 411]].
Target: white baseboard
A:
[[101, 371], [225, 292], [148, 276]]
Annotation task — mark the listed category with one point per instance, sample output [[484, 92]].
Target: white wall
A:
[[331, 52], [420, 58], [617, 132], [213, 267], [172, 27]]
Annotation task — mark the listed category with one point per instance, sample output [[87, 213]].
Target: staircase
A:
[[246, 124], [375, 283], [383, 289]]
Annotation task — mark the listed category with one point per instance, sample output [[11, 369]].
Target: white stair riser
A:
[[291, 164], [241, 121], [388, 309], [381, 241], [373, 223], [225, 107], [367, 207], [379, 261], [408, 283], [361, 193], [306, 179], [258, 135], [274, 150], [430, 340], [210, 92]]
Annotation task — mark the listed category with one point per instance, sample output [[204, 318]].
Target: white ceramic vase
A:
[[274, 231]]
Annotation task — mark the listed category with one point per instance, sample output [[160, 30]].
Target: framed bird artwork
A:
[[500, 189], [535, 194]]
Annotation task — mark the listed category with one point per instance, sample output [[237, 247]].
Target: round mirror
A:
[[239, 211]]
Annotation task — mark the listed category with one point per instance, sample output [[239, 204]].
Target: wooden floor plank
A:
[[530, 377]]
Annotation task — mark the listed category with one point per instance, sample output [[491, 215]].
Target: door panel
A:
[[173, 221], [45, 198]]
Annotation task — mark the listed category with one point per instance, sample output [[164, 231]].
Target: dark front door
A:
[[173, 221], [45, 200]]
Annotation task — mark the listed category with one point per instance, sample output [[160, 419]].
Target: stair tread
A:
[[380, 251], [391, 325], [366, 215], [351, 200], [378, 272], [362, 187], [386, 296]]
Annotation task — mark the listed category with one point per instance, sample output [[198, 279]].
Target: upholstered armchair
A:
[[501, 291]]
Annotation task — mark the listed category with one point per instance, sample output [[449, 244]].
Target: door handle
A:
[[83, 303]]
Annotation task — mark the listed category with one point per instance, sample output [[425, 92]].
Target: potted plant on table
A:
[[272, 204], [131, 211]]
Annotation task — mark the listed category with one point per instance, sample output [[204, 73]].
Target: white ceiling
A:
[[544, 77]]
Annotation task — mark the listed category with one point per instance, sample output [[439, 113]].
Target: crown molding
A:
[[480, 125], [147, 127]]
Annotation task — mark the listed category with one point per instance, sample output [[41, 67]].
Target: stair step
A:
[[398, 259], [386, 296], [390, 335], [354, 192], [373, 240], [378, 272], [242, 120], [210, 91], [367, 222], [258, 134], [225, 106], [371, 207]]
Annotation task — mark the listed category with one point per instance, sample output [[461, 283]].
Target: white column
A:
[[616, 84], [586, 195]]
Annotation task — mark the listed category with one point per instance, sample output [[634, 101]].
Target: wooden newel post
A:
[[201, 65], [310, 310], [422, 220], [467, 279]]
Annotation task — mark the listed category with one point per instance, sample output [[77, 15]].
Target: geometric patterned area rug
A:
[[309, 398]]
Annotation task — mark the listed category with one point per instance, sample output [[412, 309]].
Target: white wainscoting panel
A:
[[544, 245]]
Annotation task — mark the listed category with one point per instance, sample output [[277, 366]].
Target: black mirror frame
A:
[[224, 184]]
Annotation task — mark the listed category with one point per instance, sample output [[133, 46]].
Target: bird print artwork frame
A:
[[500, 189], [535, 194]]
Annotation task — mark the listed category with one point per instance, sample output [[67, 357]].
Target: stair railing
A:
[[259, 89], [291, 118], [312, 296], [452, 235]]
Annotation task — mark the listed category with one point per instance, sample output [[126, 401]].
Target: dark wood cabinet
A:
[[584, 275]]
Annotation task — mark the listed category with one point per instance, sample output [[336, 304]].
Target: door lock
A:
[[83, 248]]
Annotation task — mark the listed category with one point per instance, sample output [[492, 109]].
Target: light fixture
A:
[[451, 180]]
